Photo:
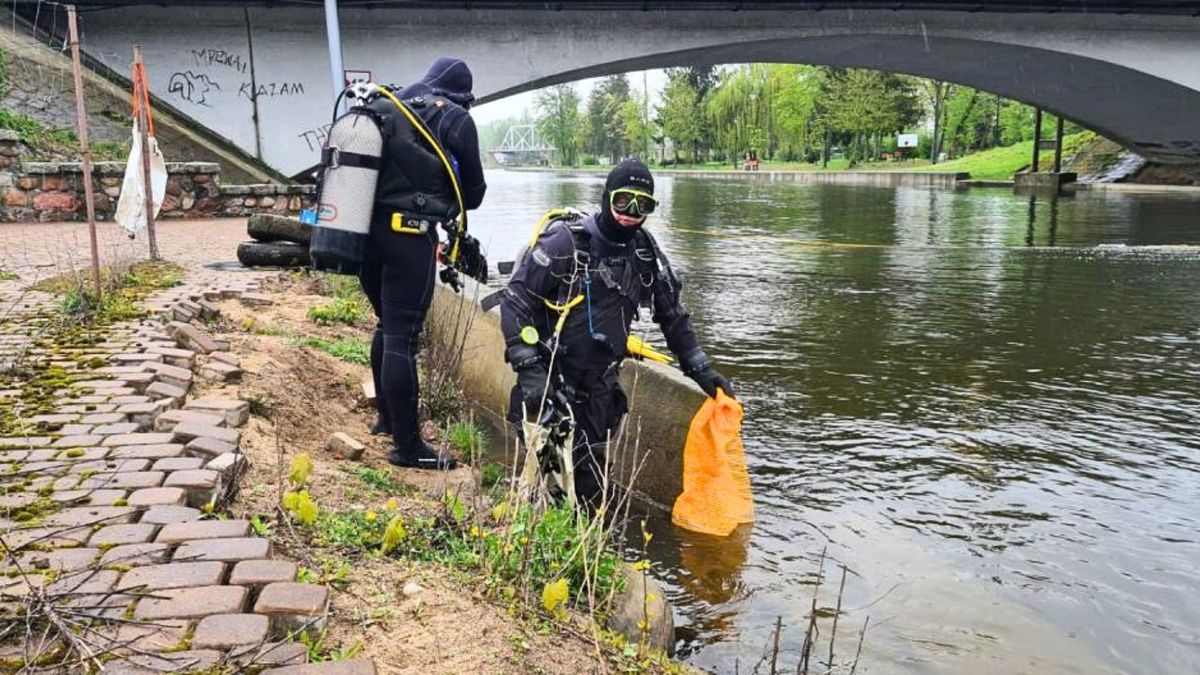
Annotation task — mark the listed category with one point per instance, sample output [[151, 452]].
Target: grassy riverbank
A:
[[994, 164]]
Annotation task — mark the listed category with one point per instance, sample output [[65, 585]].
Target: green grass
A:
[[347, 311], [468, 438], [350, 350], [46, 143], [122, 291], [1003, 163], [380, 479]]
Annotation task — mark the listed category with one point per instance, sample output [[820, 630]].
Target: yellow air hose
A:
[[437, 148]]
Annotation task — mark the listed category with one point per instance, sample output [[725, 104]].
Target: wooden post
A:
[[1058, 134], [1037, 139], [85, 148], [143, 98]]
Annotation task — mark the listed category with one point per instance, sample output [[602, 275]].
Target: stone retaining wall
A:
[[54, 191]]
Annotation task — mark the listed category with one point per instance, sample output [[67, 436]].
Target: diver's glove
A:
[[533, 380], [710, 380]]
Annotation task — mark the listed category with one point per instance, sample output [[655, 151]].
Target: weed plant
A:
[[468, 438], [350, 350]]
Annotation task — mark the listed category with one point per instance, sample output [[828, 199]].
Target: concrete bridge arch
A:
[[1132, 77]]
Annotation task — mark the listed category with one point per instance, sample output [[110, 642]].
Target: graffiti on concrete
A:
[[271, 90], [316, 137], [210, 56], [192, 87]]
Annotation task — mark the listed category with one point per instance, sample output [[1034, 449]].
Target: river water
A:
[[984, 406]]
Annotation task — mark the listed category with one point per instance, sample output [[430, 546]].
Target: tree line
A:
[[781, 112]]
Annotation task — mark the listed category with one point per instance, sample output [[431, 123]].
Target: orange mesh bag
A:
[[716, 485]]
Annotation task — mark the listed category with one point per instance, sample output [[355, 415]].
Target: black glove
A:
[[533, 381], [710, 380]]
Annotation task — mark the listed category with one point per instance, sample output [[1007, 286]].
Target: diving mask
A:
[[632, 202]]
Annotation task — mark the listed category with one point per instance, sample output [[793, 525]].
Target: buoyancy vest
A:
[[412, 179], [615, 287]]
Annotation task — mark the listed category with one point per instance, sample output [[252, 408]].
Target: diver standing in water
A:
[[413, 195], [574, 297]]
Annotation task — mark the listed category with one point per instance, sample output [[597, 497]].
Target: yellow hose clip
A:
[[529, 335], [636, 346], [437, 149], [563, 310]]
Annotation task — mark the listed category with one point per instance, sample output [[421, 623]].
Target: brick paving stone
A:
[[136, 554], [182, 358], [219, 371], [54, 420], [162, 390], [101, 385], [120, 370], [248, 548], [227, 631], [269, 654], [190, 337], [226, 357], [113, 417], [167, 514], [53, 537], [187, 431], [356, 667], [123, 534], [293, 606], [191, 661], [85, 441], [135, 439], [163, 635], [180, 377], [86, 581], [131, 480], [88, 409], [139, 382], [110, 465], [63, 559], [209, 529], [235, 412], [82, 454], [173, 575], [343, 445], [122, 428], [156, 451], [257, 573], [75, 429], [91, 515], [165, 496], [128, 399], [226, 463], [171, 418], [178, 464], [208, 448], [191, 603], [89, 497], [202, 485], [25, 442], [136, 357], [17, 500]]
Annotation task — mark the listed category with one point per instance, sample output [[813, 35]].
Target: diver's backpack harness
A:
[[350, 166]]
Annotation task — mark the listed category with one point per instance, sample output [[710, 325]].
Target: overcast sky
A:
[[513, 106]]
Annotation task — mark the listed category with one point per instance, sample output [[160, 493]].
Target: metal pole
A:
[[1058, 134], [333, 33], [143, 99], [85, 149], [1037, 139]]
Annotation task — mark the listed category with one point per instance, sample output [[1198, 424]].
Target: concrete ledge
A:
[[662, 401], [1043, 181], [878, 178]]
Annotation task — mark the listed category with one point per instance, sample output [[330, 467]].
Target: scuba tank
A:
[[350, 163]]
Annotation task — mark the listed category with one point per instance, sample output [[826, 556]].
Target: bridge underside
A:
[[1154, 117], [259, 74]]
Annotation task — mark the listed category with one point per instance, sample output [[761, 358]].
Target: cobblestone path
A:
[[111, 559]]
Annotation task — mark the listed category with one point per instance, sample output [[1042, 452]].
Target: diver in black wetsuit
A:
[[397, 274], [610, 266]]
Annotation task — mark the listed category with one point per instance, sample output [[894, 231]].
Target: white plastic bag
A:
[[131, 207]]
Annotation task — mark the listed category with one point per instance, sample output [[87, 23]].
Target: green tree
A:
[[677, 114], [559, 121], [866, 105]]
